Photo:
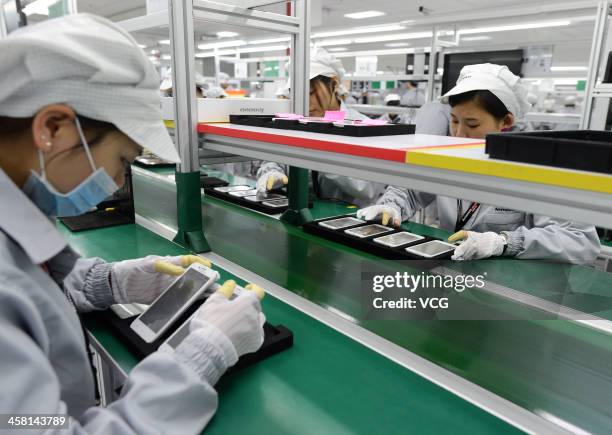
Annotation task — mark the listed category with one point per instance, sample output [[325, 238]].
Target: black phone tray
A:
[[210, 182], [97, 219], [328, 128], [587, 150], [276, 338], [367, 244], [243, 202], [153, 162]]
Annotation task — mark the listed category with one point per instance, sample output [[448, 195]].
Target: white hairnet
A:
[[90, 64], [498, 80], [322, 63]]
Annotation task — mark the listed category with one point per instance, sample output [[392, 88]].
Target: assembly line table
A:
[[326, 383]]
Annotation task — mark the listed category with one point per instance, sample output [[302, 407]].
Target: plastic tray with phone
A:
[[347, 129], [246, 196], [575, 149], [210, 182], [386, 242], [276, 338]]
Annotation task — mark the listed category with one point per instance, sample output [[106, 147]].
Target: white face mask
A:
[[89, 193]]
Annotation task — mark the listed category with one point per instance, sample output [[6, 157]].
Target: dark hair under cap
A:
[[484, 99]]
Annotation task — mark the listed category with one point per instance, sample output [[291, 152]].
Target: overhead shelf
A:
[[380, 110], [429, 164]]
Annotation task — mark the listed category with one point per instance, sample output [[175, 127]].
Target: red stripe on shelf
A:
[[398, 155]]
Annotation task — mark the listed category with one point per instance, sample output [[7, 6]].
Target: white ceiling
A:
[[571, 42]]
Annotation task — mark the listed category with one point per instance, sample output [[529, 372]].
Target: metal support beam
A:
[[3, 28], [189, 210], [298, 212], [432, 65]]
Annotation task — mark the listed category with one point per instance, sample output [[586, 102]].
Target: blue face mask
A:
[[92, 191]]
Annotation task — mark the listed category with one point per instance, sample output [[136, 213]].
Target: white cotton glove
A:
[[222, 330], [387, 213], [271, 180], [477, 245], [142, 280], [239, 319]]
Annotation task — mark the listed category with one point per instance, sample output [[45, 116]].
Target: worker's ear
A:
[[54, 129], [507, 122]]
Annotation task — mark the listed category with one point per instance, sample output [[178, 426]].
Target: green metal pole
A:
[[298, 212], [189, 212]]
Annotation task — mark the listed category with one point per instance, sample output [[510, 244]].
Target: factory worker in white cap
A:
[[489, 99], [393, 100], [326, 73], [165, 85], [78, 100]]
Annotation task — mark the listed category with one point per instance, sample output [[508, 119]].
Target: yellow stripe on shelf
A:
[[516, 171]]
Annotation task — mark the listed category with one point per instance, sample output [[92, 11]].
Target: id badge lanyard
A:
[[462, 219]]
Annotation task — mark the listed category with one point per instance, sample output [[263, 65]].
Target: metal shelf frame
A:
[[573, 204]]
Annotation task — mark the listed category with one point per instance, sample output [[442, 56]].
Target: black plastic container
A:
[[323, 127], [276, 338], [587, 150], [368, 244], [243, 202]]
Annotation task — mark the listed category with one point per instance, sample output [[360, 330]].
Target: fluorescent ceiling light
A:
[[142, 46], [164, 42], [40, 7], [510, 27], [476, 38], [381, 52], [359, 30], [397, 44], [166, 57], [260, 49], [269, 41], [213, 45], [364, 14], [225, 34], [338, 49], [395, 37], [568, 68], [329, 42], [154, 52]]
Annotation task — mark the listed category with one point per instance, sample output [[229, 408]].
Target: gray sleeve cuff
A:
[[97, 287], [200, 353], [516, 241]]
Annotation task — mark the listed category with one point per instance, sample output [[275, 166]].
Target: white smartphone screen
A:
[[232, 188], [172, 300], [398, 239], [336, 224], [368, 231], [431, 249]]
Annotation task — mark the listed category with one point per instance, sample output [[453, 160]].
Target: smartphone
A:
[[243, 193], [338, 224], [226, 189], [431, 249], [277, 203], [173, 302], [398, 239], [368, 231], [182, 332], [264, 197]]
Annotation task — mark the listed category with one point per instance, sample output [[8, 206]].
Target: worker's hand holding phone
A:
[[142, 280]]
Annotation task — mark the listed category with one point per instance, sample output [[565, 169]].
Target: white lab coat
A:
[[413, 98], [530, 236], [44, 367]]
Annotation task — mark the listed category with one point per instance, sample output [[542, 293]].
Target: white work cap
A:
[[91, 65], [392, 97], [283, 91], [214, 92], [223, 78], [166, 80], [494, 78], [322, 63]]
